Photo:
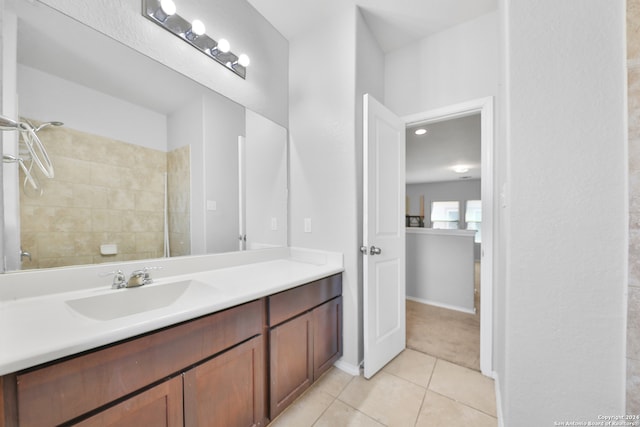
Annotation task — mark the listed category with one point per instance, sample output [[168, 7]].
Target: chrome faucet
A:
[[137, 278]]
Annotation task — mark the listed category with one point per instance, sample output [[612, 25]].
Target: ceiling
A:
[[430, 157], [394, 23]]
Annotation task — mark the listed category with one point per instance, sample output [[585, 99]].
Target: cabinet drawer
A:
[[67, 389], [290, 303]]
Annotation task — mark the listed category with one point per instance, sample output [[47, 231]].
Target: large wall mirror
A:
[[147, 163]]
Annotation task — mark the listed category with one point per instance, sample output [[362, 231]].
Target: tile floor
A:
[[415, 389]]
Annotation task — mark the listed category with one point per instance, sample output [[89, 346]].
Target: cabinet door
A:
[[159, 406], [327, 336], [291, 361], [228, 390]]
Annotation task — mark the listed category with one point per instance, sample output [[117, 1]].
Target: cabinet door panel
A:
[[160, 406], [291, 361], [327, 336], [71, 388], [228, 390]]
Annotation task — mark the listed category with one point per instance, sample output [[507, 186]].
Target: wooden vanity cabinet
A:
[[225, 369], [305, 338], [140, 381]]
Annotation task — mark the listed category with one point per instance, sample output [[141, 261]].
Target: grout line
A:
[[465, 404]]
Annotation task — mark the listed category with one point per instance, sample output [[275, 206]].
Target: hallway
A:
[[415, 389]]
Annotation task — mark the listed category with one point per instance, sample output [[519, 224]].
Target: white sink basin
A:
[[125, 302]]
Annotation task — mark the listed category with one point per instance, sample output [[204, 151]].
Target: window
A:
[[473, 218], [445, 215]]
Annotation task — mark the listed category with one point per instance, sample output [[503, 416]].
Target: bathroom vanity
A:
[[274, 328]]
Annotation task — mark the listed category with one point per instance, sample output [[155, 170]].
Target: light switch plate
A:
[[307, 225]]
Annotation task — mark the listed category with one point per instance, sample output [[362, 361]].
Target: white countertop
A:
[[441, 232], [35, 329]]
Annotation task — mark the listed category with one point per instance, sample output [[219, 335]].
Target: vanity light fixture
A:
[[222, 46], [163, 13], [166, 9], [197, 29]]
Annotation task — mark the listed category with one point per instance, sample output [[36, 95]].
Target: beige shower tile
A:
[[148, 201], [413, 366], [633, 386], [56, 245], [634, 257], [634, 103], [149, 242], [438, 410], [464, 385], [386, 398], [333, 381], [340, 414], [305, 411], [633, 29], [121, 199], [71, 170], [72, 220]]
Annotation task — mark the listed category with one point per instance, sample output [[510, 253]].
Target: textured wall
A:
[[633, 322], [104, 191], [565, 210]]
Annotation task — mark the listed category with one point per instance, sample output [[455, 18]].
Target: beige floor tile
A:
[[305, 411], [412, 366], [439, 410], [343, 415], [464, 385], [333, 381], [386, 398]]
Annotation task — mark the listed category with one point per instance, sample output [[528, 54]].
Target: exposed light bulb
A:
[[223, 46], [420, 131], [197, 29], [244, 60], [167, 8]]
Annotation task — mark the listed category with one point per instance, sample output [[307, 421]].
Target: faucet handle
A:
[[146, 278], [119, 279]]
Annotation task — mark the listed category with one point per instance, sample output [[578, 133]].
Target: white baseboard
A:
[[441, 305], [347, 367], [496, 382]]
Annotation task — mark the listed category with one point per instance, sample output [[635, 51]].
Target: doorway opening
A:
[[450, 221]]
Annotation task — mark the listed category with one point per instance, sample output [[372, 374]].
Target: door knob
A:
[[375, 251]]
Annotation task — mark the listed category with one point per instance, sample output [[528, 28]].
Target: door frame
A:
[[485, 107]]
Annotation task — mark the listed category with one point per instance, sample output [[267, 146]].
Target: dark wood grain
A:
[[68, 389], [228, 390], [290, 303]]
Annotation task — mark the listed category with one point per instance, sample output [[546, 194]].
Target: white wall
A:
[[224, 121], [45, 97], [266, 182], [264, 90], [326, 149], [322, 138], [562, 330], [452, 66]]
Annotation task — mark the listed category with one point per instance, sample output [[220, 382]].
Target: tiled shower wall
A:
[[179, 167], [104, 192], [633, 324]]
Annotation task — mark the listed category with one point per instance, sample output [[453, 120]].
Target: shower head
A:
[[44, 125]]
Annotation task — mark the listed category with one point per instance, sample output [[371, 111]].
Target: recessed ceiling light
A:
[[420, 131], [460, 169]]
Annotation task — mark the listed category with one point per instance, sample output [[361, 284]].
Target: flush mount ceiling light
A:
[[421, 131], [163, 13], [460, 168]]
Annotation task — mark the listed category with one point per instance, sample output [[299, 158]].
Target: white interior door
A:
[[384, 236]]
